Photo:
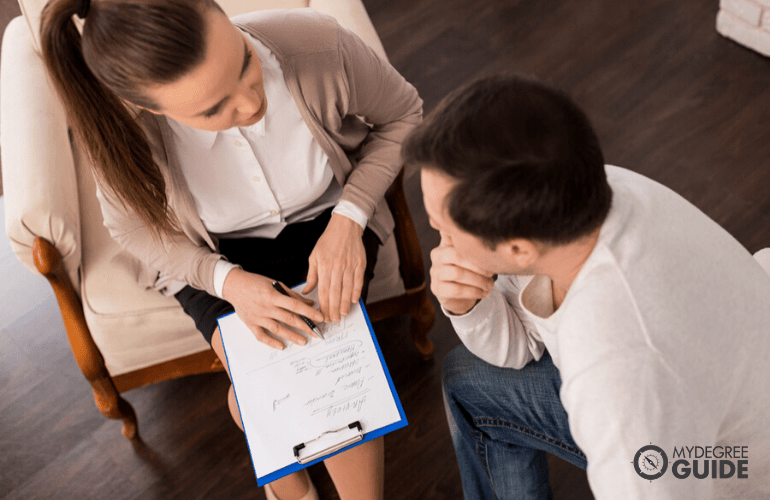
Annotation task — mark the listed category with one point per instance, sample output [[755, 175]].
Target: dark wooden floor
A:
[[669, 97]]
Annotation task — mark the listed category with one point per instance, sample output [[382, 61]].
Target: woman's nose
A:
[[249, 103]]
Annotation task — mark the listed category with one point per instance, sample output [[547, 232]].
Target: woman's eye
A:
[[213, 111]]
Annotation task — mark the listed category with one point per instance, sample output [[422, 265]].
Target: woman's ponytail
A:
[[101, 123]]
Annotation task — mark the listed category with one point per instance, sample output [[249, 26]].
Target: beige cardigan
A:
[[335, 78]]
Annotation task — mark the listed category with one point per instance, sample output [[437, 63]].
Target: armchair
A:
[[121, 335]]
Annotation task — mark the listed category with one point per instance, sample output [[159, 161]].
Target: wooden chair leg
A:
[[423, 317], [112, 405], [87, 354]]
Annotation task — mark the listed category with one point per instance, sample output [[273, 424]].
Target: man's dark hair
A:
[[526, 161]]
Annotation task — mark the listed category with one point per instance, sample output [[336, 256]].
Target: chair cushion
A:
[[133, 327]]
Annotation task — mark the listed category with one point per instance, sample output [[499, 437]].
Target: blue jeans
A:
[[503, 421]]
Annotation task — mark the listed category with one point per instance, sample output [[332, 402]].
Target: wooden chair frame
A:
[[107, 389]]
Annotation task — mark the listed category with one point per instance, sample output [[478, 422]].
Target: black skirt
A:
[[284, 259]]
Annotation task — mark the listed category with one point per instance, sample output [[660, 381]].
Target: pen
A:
[[309, 322]]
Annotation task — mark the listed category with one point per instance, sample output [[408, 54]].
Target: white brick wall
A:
[[747, 22]]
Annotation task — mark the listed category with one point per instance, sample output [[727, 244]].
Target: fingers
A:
[[299, 297], [266, 330], [312, 277], [297, 306], [343, 288], [453, 290], [279, 329], [266, 339], [346, 295], [456, 283], [449, 256], [334, 263], [295, 321], [461, 276], [279, 320], [358, 284], [269, 314], [457, 298], [449, 291], [335, 292], [279, 324], [324, 278]]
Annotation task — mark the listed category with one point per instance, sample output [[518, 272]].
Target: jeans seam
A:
[[495, 422], [483, 459]]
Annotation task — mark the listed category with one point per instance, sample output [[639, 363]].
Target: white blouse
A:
[[254, 181]]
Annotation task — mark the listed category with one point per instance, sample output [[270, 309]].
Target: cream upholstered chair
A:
[[123, 336]]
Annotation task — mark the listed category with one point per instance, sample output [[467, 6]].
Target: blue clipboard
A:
[[367, 435]]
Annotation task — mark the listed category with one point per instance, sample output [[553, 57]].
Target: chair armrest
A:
[[409, 251], [763, 257], [39, 178]]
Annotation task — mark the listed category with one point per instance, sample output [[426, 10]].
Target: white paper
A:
[[293, 396]]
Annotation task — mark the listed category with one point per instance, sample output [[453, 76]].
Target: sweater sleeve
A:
[[385, 100], [172, 255], [494, 330]]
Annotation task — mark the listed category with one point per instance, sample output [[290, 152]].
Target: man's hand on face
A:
[[457, 284]]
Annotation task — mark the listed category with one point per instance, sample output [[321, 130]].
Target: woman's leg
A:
[[291, 487], [359, 472]]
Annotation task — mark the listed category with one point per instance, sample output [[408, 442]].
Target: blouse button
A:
[[238, 143], [273, 212], [256, 178]]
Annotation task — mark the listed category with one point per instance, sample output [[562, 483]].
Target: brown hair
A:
[[127, 46], [524, 157]]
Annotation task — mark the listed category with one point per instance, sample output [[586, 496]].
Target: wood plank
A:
[[669, 97]]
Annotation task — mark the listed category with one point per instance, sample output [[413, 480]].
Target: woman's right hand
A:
[[266, 311]]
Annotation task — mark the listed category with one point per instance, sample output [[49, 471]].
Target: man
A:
[[604, 319]]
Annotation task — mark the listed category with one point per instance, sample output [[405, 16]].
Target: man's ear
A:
[[524, 253]]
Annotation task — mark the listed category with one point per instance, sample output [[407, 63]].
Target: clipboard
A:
[[321, 446], [329, 440]]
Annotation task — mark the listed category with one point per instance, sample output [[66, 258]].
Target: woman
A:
[[228, 156]]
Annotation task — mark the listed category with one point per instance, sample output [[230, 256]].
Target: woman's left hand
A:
[[337, 266]]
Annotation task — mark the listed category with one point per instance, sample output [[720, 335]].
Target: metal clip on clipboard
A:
[[328, 442]]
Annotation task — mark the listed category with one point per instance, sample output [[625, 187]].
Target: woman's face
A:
[[226, 90]]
